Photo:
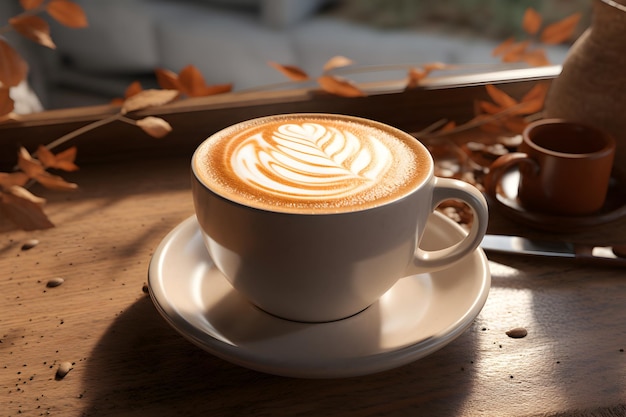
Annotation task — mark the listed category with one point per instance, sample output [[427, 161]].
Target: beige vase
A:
[[592, 85]]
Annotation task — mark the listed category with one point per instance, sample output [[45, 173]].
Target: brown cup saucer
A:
[[506, 200]]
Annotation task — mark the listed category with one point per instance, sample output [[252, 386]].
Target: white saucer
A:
[[416, 317]]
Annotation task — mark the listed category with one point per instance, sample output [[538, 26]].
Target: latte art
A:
[[311, 163], [310, 160]]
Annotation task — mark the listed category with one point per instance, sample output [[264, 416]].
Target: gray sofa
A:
[[229, 41]]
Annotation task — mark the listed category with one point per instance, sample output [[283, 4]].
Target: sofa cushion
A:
[[225, 45], [280, 14], [120, 37]]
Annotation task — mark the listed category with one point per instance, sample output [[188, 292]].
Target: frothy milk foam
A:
[[312, 163]]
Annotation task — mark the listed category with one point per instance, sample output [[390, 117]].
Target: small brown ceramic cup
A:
[[565, 167]]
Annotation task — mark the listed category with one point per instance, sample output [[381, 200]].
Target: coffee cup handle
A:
[[445, 189], [501, 165]]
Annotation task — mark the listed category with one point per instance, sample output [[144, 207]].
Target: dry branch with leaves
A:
[[502, 114]]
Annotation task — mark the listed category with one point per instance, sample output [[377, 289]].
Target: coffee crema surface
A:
[[312, 163]]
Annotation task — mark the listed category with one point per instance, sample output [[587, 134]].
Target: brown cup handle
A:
[[501, 165]]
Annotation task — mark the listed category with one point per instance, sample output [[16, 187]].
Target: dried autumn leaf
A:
[[168, 80], [337, 62], [148, 98], [536, 57], [29, 165], [415, 76], [492, 127], [9, 179], [34, 28], [13, 68], [488, 107], [503, 47], [154, 126], [539, 91], [435, 66], [560, 31], [63, 160], [54, 182], [67, 13], [31, 4], [500, 97], [6, 102], [24, 209], [533, 101], [290, 71], [133, 89], [515, 52], [529, 107], [191, 82], [448, 127], [515, 124], [531, 22], [339, 86]]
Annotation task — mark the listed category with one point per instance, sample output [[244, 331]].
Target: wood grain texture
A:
[[129, 362]]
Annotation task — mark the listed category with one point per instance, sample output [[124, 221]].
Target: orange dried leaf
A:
[[34, 28], [536, 57], [515, 52], [503, 47], [6, 102], [9, 179], [154, 126], [68, 155], [46, 157], [54, 182], [560, 31], [489, 108], [529, 107], [133, 89], [148, 98], [24, 209], [515, 124], [415, 76], [191, 82], [533, 101], [531, 21], [448, 127], [290, 71], [538, 92], [63, 160], [337, 62], [339, 86], [13, 68], [492, 127], [31, 4], [67, 13], [168, 80], [435, 66], [500, 97], [28, 164]]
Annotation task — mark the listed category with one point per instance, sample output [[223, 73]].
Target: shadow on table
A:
[[575, 330], [142, 367]]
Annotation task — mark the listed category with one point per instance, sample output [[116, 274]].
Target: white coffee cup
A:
[[313, 217]]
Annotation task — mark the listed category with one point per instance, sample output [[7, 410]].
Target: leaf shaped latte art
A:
[[310, 160]]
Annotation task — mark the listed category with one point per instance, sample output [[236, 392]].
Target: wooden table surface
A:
[[127, 361]]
